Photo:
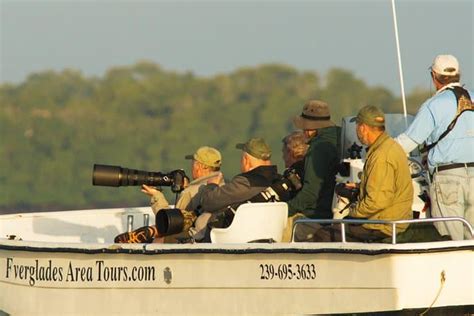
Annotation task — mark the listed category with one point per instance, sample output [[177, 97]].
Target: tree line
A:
[[55, 125]]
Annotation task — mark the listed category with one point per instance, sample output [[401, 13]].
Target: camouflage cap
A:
[[370, 115], [208, 156], [256, 147]]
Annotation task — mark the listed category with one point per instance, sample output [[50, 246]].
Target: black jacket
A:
[[239, 190]]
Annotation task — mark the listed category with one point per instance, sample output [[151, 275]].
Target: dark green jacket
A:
[[321, 160]]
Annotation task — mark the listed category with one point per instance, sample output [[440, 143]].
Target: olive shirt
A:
[[386, 189], [315, 198]]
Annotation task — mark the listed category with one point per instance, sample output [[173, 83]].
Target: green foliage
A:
[[55, 126]]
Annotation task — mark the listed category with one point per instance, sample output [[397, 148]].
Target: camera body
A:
[[350, 193], [281, 189], [116, 176]]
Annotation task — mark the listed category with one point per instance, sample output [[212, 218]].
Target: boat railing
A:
[[393, 224]]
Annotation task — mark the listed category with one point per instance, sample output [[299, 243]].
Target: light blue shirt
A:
[[433, 119]]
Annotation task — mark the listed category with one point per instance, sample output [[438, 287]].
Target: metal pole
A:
[[129, 223], [400, 70], [146, 220]]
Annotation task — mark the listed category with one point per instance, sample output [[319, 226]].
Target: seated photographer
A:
[[293, 152], [385, 190], [206, 163], [258, 174]]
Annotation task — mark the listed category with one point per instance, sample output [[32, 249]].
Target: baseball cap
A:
[[370, 115], [208, 156], [256, 147], [446, 65]]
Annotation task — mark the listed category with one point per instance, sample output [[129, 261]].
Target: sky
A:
[[215, 37]]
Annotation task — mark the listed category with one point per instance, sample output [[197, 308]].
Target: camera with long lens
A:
[[173, 221], [115, 176], [280, 190], [348, 192]]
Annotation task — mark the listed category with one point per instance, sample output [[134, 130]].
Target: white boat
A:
[[67, 263]]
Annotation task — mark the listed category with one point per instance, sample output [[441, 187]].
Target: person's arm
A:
[[190, 198], [184, 200], [157, 199], [214, 197], [379, 190], [406, 142], [419, 130]]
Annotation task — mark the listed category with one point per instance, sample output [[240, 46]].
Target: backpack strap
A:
[[463, 99], [464, 103]]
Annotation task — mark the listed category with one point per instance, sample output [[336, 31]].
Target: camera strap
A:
[[345, 207], [464, 103], [176, 198]]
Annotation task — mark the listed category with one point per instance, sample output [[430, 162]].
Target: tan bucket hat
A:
[[315, 115]]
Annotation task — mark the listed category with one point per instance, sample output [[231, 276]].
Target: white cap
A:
[[446, 65]]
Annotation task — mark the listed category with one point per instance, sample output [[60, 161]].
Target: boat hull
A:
[[233, 279]]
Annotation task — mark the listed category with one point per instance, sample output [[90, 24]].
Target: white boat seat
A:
[[253, 222]]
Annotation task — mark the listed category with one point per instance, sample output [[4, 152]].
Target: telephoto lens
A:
[[173, 221], [116, 176]]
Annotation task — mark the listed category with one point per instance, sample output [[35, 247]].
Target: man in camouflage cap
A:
[[444, 126]]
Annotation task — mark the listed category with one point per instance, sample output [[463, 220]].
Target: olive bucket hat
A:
[[315, 115]]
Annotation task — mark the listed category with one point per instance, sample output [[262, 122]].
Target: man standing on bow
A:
[[446, 123]]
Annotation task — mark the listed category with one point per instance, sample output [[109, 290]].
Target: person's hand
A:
[[351, 185], [217, 179], [424, 161], [150, 191], [157, 200], [341, 209], [185, 182]]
